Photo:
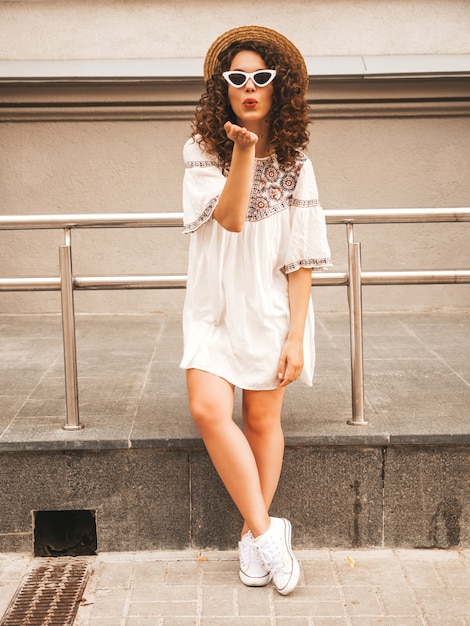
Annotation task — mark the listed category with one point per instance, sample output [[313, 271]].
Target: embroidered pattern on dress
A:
[[205, 216], [307, 204], [191, 164], [273, 190], [273, 187], [317, 265]]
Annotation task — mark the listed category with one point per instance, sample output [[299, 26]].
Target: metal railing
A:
[[353, 279]]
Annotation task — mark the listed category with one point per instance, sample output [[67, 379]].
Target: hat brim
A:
[[260, 34]]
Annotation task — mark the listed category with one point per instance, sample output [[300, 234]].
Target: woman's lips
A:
[[250, 103]]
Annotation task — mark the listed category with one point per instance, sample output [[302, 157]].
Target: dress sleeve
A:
[[202, 184], [308, 244]]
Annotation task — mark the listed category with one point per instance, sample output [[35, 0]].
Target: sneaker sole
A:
[[294, 579], [249, 581]]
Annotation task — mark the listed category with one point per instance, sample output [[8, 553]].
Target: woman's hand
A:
[[242, 137], [291, 362]]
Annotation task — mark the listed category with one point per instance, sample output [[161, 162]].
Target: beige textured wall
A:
[[93, 167], [182, 28], [121, 166], [69, 167], [402, 162]]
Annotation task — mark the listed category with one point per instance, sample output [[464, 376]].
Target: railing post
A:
[[355, 329], [72, 421]]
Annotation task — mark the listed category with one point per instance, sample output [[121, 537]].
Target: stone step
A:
[[170, 498]]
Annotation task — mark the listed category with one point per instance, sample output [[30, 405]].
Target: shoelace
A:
[[248, 548], [271, 556]]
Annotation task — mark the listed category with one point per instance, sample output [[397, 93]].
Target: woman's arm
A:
[[233, 203], [292, 356]]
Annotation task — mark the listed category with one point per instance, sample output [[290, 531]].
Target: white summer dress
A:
[[236, 311]]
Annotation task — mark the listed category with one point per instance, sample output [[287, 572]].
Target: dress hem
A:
[[230, 382], [242, 387]]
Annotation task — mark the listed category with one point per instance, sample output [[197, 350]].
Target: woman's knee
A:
[[257, 424], [261, 422], [261, 413], [203, 411], [210, 399]]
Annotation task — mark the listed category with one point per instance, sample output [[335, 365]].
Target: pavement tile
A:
[[308, 608], [362, 600], [293, 621], [161, 609], [221, 601], [251, 601], [444, 602], [436, 556], [441, 620], [167, 589], [7, 590], [148, 574], [397, 599], [13, 566], [109, 603], [167, 621], [115, 575], [217, 572], [386, 621], [12, 569], [164, 593], [367, 567], [235, 621], [105, 621], [172, 555], [215, 579], [453, 574], [421, 574], [182, 573], [318, 573], [318, 593]]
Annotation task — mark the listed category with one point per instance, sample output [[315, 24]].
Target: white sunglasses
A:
[[238, 79]]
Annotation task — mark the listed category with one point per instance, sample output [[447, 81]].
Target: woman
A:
[[257, 232]]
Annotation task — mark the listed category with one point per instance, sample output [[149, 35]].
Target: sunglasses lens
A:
[[262, 78], [237, 78]]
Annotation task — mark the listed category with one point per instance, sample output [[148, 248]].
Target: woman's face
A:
[[250, 103]]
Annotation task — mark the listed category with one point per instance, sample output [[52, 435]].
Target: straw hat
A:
[[261, 35]]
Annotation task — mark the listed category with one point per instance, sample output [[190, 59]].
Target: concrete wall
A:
[[80, 29], [90, 161]]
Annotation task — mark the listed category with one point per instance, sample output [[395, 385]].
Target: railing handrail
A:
[[175, 219], [353, 279], [178, 281]]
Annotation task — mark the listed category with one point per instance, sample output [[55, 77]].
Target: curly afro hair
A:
[[289, 116]]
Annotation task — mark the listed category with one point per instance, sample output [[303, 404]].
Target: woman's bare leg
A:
[[263, 430], [211, 406]]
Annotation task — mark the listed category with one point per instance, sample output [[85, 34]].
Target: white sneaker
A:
[[253, 571], [275, 549]]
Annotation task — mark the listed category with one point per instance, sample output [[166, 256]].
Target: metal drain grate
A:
[[50, 595]]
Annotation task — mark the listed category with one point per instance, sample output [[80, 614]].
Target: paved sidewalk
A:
[[337, 588]]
